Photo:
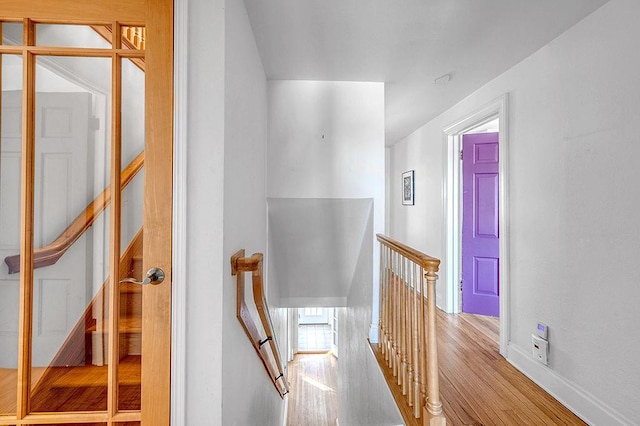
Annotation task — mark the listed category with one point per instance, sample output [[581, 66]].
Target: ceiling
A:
[[407, 44]]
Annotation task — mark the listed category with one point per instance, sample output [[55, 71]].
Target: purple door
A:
[[480, 236]]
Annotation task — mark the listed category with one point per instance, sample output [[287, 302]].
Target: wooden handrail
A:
[[427, 262], [408, 326], [239, 265], [49, 254]]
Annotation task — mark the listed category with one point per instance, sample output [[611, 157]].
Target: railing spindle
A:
[[434, 406], [416, 344], [410, 356]]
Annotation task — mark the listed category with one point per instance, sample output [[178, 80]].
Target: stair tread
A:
[[96, 376], [127, 325]]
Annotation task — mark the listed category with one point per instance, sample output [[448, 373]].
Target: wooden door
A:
[[113, 367], [480, 233]]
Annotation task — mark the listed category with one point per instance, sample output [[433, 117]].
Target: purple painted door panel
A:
[[480, 233]]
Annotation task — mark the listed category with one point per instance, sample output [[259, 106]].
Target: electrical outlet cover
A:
[[540, 349]]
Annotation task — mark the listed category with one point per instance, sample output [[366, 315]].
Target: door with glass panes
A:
[[85, 211]]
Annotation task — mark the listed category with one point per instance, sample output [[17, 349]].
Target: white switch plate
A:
[[540, 349]]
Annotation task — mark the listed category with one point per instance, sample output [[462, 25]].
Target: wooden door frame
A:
[[452, 136]]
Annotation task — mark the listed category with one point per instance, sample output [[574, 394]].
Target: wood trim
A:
[[239, 266], [66, 10], [49, 254], [25, 327], [158, 184], [115, 224], [70, 418], [87, 52]]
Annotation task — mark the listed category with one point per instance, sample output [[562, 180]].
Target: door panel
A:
[[76, 329], [480, 233]]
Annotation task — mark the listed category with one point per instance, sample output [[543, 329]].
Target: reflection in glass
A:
[[132, 197], [70, 307], [73, 36], [134, 37], [10, 158], [12, 33]]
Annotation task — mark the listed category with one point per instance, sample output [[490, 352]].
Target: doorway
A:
[[480, 246], [317, 330], [484, 118]]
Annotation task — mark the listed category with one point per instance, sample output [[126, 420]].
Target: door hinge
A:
[[460, 154], [460, 285]]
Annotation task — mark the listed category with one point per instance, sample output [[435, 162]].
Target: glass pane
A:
[[131, 264], [70, 308], [12, 33], [10, 157], [73, 36], [134, 37]]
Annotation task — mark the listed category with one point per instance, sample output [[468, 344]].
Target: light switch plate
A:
[[540, 349]]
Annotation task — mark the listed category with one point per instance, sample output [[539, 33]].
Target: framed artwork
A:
[[407, 188]]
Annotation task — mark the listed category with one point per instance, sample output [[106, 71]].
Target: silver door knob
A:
[[154, 277]]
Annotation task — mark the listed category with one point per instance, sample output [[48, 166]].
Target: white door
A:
[[64, 146]]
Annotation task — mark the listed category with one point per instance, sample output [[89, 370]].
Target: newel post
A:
[[433, 407]]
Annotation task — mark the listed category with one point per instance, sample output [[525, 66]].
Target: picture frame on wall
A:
[[408, 188]]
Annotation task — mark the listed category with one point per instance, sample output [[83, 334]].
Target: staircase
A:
[[76, 379]]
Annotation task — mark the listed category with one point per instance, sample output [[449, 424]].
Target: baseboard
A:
[[586, 406]]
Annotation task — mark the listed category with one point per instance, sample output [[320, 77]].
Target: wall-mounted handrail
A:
[[270, 358], [408, 325], [49, 254]]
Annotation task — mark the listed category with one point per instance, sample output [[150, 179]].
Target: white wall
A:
[[326, 141], [249, 396], [364, 397], [314, 247], [573, 205], [226, 210], [205, 263]]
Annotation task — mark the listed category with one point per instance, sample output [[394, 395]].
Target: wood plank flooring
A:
[[478, 386], [312, 397]]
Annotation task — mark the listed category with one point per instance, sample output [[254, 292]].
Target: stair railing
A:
[[408, 326], [268, 353], [49, 254], [131, 38]]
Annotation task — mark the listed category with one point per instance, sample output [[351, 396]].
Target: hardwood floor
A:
[[312, 398], [478, 386]]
